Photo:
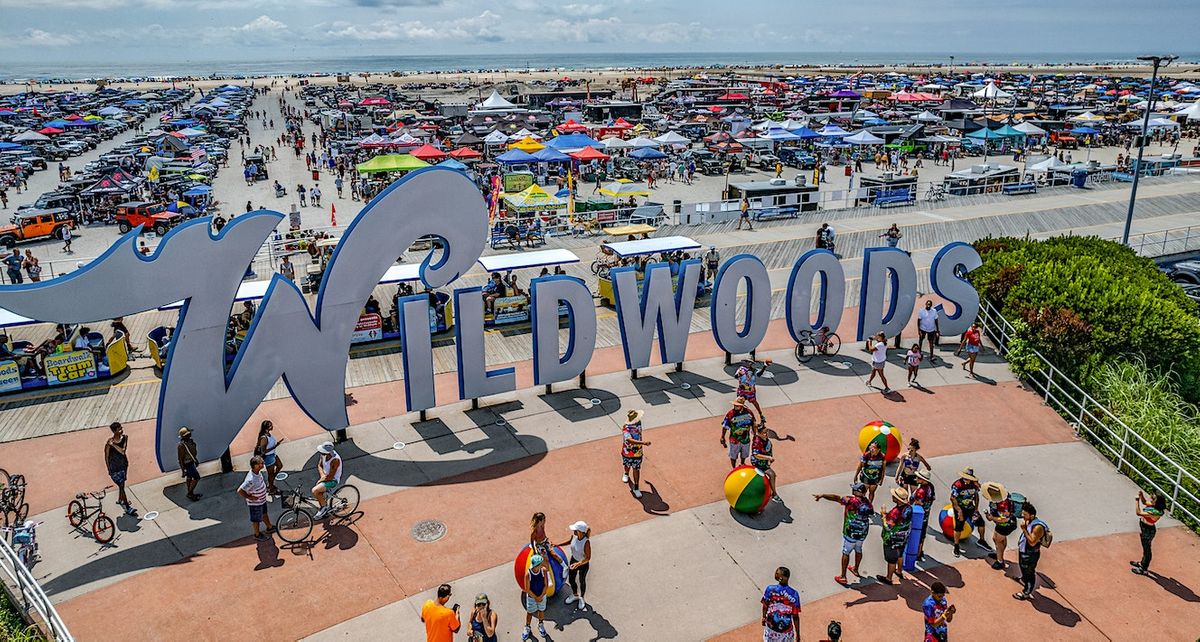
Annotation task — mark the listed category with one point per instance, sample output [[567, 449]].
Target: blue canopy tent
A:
[[6, 146], [83, 123], [986, 134], [548, 155], [805, 132], [513, 156], [647, 153], [57, 123], [452, 164], [1085, 130], [571, 142], [199, 190], [1009, 131]]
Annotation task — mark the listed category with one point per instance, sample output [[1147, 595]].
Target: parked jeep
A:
[[150, 216], [35, 224]]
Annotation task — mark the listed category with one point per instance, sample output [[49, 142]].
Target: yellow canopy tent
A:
[[534, 199], [527, 144]]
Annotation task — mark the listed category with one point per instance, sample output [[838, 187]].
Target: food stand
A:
[[631, 250]]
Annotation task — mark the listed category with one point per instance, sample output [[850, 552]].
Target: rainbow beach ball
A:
[[747, 490], [558, 575], [946, 521], [884, 434]]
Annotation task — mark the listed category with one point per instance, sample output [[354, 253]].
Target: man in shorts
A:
[[897, 522], [187, 452], [856, 522], [631, 450], [329, 464], [747, 377], [929, 327], [964, 498], [780, 609], [254, 491], [739, 421]]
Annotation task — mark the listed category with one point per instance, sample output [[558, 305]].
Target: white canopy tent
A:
[[496, 101], [672, 138], [863, 137], [927, 117], [1029, 128], [991, 92]]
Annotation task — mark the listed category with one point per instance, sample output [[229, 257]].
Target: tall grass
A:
[[12, 627]]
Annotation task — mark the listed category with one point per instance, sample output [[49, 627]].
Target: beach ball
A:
[[946, 521], [884, 434], [747, 490], [558, 571]]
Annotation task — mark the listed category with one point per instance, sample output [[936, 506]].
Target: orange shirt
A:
[[440, 622]]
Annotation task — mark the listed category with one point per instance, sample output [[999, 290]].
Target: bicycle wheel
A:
[[22, 514], [75, 513], [25, 554], [17, 485], [833, 343], [343, 501], [294, 525], [595, 267], [3, 477], [103, 529], [804, 352]]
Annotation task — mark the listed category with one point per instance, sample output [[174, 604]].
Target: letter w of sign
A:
[[285, 339]]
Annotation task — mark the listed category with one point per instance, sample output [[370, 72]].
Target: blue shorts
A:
[[257, 512], [269, 460], [119, 476], [632, 462], [972, 349], [189, 471]]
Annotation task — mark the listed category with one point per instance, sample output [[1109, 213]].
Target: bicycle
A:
[[12, 498], [79, 512], [24, 542], [808, 346], [295, 523], [936, 193], [601, 269]]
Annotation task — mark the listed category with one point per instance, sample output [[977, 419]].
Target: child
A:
[[913, 359]]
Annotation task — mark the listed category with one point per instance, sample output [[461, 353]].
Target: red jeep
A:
[[149, 215]]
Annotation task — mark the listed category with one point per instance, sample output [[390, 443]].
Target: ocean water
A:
[[517, 62]]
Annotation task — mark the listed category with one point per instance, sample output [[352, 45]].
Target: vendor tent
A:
[[571, 142], [646, 153], [391, 163], [643, 142], [622, 188], [991, 92], [29, 137], [465, 153], [526, 144], [549, 155], [1029, 129], [428, 153], [452, 164], [672, 138], [833, 130], [496, 101], [863, 137], [611, 143], [533, 199], [589, 154], [496, 138], [1011, 132], [516, 156], [927, 117]]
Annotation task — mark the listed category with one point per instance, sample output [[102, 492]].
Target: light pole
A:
[[1157, 61]]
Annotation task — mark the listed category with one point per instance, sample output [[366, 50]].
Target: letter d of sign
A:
[[547, 294], [723, 308], [896, 266], [955, 259], [638, 317]]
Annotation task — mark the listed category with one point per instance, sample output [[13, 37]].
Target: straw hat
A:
[[900, 495], [968, 474], [635, 416], [185, 431], [740, 401], [923, 475], [994, 491]]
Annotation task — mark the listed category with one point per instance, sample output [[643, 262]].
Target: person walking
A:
[[265, 447], [483, 620], [870, 469], [1001, 513], [762, 455], [740, 424], [631, 450], [892, 236], [747, 378], [1149, 511], [912, 361], [972, 341], [938, 613], [923, 493], [856, 523], [13, 263], [441, 623], [897, 522], [579, 549], [878, 361], [187, 451], [117, 462], [537, 584], [303, 194], [337, 184], [1034, 535], [928, 327], [964, 498], [781, 609], [288, 269], [254, 491], [744, 216], [66, 239], [712, 260]]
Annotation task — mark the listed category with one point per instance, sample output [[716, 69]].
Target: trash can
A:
[[316, 173], [1079, 178], [849, 170]]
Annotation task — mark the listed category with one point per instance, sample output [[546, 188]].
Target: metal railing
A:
[[29, 596], [1174, 240], [1133, 455]]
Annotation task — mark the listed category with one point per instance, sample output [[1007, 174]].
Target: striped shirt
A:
[[256, 487]]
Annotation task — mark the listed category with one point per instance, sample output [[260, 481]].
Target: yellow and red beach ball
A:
[[558, 575], [946, 521], [884, 434], [747, 490]]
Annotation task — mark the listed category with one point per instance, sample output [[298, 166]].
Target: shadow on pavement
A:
[[268, 555], [652, 502], [1174, 587], [575, 404], [563, 615], [656, 391], [772, 516]]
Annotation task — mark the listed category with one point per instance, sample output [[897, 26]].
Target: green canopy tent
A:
[[534, 199], [391, 163]]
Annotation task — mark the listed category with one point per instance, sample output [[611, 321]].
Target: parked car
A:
[[150, 216], [764, 161], [1063, 138], [35, 224], [797, 158], [1185, 272]]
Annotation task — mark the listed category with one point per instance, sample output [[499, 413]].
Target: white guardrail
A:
[[29, 596], [1132, 454]]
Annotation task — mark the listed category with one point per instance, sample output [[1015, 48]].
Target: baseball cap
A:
[[536, 560], [858, 487], [482, 598], [580, 526], [325, 447]]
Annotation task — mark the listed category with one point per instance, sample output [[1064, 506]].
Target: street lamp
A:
[[1157, 61]]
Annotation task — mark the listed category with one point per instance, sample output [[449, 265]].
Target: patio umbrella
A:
[[622, 188]]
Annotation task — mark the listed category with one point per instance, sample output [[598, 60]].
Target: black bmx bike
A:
[[812, 343], [80, 513], [12, 499], [295, 523]]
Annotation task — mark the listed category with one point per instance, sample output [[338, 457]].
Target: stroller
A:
[[280, 190]]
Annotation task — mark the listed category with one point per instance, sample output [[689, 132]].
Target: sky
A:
[[51, 31]]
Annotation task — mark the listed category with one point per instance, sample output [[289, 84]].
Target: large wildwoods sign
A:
[[309, 348]]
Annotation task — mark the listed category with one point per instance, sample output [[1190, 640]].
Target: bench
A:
[[1020, 188], [888, 198], [769, 213]]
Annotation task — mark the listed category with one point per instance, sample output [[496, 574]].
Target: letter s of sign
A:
[[285, 339]]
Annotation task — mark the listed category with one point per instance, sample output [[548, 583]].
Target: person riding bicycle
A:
[[330, 466], [606, 258]]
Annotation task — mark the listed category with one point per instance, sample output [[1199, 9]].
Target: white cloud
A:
[[482, 28], [40, 38]]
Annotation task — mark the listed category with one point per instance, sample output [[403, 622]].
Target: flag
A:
[[167, 115], [333, 214]]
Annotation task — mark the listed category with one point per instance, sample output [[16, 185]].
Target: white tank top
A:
[[578, 553], [271, 443], [325, 465]]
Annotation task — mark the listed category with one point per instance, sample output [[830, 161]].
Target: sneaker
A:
[[776, 498], [541, 628], [582, 604], [130, 510], [920, 557], [637, 493], [984, 545], [526, 634], [1138, 570], [261, 537], [883, 580], [625, 479], [1133, 563], [957, 551], [887, 391], [998, 565], [321, 513], [571, 600]]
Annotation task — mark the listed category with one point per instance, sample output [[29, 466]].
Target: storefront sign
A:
[[369, 328], [70, 367], [510, 309], [308, 347], [10, 376]]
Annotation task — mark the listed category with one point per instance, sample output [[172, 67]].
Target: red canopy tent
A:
[[463, 153], [733, 96], [428, 152], [74, 117], [588, 154], [621, 123], [572, 127], [374, 101], [50, 130]]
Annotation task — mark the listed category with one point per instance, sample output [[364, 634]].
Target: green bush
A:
[[12, 627], [1085, 302]]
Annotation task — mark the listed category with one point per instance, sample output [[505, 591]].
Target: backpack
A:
[[1047, 537]]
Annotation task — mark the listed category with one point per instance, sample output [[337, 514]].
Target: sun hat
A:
[[900, 495], [185, 431], [740, 401], [325, 447], [994, 491], [580, 526], [635, 416], [536, 560], [968, 473], [923, 474], [482, 598]]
